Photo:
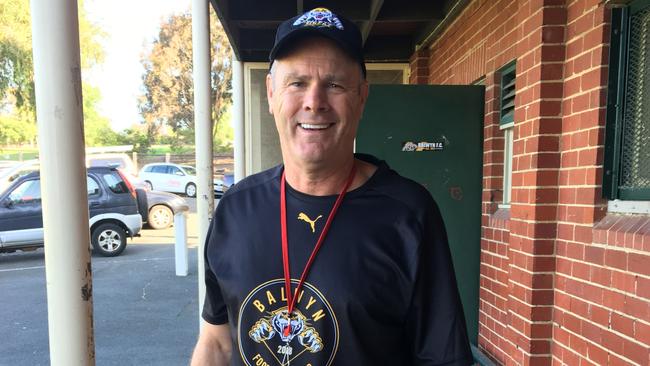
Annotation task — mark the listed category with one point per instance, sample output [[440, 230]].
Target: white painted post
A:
[[180, 246], [57, 78], [167, 157], [238, 117], [203, 130]]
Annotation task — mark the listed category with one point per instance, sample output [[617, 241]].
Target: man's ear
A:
[[363, 93], [269, 91]]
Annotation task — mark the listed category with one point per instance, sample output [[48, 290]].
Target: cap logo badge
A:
[[319, 18]]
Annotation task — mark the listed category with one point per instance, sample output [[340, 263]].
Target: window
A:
[[162, 169], [189, 170], [115, 183], [174, 170], [506, 123], [93, 187], [27, 192], [627, 141]]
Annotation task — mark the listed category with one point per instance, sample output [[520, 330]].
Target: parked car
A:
[[228, 180], [160, 208], [116, 160], [17, 170], [119, 160], [174, 178], [112, 206]]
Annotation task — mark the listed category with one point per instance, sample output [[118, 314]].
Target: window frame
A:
[[507, 125], [508, 142], [615, 108]]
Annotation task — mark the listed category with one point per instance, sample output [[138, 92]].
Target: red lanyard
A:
[[291, 300]]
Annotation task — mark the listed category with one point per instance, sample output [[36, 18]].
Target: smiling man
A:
[[331, 258]]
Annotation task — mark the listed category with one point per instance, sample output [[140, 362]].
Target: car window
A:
[[175, 171], [28, 191], [115, 183], [160, 169], [190, 170], [149, 168], [93, 187]]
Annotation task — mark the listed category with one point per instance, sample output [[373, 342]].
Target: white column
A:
[[203, 130], [180, 244], [57, 79], [238, 118]]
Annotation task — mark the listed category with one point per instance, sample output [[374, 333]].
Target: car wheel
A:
[[190, 190], [160, 217], [149, 185], [109, 239]]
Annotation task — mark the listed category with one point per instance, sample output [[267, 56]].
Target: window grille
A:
[[508, 94], [627, 150]]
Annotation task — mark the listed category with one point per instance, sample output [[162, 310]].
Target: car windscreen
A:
[[189, 170]]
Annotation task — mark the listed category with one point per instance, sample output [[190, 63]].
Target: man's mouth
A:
[[312, 127]]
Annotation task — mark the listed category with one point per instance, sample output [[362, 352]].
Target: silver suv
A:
[[111, 201]]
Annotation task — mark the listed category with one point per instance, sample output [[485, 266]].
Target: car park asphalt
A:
[[143, 313]]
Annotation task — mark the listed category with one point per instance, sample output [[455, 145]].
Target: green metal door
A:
[[434, 135]]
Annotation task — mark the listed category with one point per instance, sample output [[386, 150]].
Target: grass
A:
[[11, 153]]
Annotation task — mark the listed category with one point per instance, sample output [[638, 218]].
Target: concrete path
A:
[[143, 313]]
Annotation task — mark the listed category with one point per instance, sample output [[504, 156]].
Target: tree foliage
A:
[[16, 68], [168, 85], [17, 97], [97, 128]]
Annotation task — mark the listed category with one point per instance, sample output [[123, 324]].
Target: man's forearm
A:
[[214, 347], [205, 355]]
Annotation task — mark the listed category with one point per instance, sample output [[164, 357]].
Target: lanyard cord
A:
[[291, 300]]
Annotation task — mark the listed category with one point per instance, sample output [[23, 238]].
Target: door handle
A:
[[94, 204]]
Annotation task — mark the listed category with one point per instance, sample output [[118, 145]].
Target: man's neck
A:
[[325, 181]]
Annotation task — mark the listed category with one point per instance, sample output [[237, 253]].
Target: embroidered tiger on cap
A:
[[319, 17]]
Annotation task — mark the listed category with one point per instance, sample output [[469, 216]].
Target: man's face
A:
[[316, 95]]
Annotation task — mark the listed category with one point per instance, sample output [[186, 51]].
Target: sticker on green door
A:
[[422, 146]]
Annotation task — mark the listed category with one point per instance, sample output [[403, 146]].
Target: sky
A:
[[131, 26]]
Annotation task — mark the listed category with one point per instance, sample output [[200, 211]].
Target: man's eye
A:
[[334, 86], [296, 83]]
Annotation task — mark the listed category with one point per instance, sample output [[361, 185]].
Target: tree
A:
[[168, 85], [97, 128], [17, 98], [16, 68]]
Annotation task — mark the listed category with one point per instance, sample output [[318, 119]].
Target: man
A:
[[331, 258]]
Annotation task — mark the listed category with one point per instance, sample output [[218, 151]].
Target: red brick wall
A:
[[562, 281], [602, 312]]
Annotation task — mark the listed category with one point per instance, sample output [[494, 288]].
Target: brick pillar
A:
[[540, 62], [419, 64]]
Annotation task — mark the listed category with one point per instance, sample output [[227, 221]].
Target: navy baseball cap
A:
[[321, 21]]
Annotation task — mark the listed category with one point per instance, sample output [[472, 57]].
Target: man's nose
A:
[[316, 98]]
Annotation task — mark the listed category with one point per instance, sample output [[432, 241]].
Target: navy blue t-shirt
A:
[[381, 291]]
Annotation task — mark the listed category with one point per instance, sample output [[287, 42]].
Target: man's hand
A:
[[214, 346]]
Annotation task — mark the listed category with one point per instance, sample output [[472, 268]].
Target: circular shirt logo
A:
[[269, 336]]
